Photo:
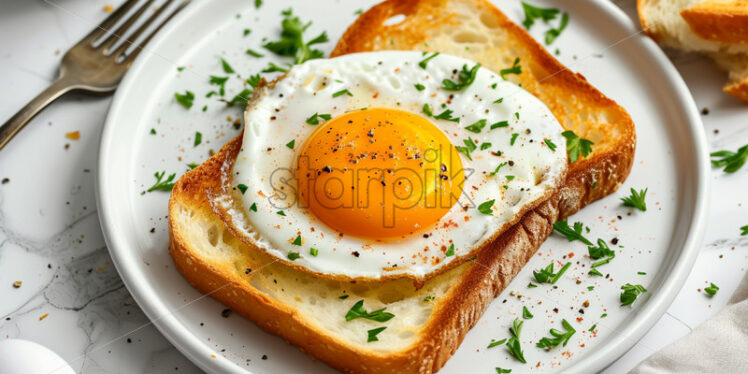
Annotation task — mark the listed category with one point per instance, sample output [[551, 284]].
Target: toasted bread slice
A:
[[724, 21], [306, 310], [717, 28]]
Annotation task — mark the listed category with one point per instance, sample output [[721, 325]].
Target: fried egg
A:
[[390, 164]]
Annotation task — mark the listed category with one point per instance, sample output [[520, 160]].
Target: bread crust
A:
[[718, 22], [481, 281]]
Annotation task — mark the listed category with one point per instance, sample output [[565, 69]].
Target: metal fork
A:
[[94, 69]]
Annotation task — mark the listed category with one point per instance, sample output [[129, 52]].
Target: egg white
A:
[[277, 115]]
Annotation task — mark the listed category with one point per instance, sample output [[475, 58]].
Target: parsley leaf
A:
[[485, 208], [419, 87], [576, 146], [220, 82], [297, 240], [447, 115], [497, 169], [273, 68], [373, 334], [253, 207], [712, 289], [426, 60], [515, 69], [501, 371], [630, 293], [477, 127], [226, 67], [254, 53], [185, 99], [313, 251], [732, 161], [562, 227], [241, 98], [532, 13], [552, 34], [254, 80], [291, 143], [601, 251], [450, 250], [550, 145], [744, 230], [465, 77], [428, 299], [198, 138], [558, 337], [314, 119], [291, 43], [162, 185], [636, 200], [293, 256], [468, 148], [513, 139], [358, 311], [499, 124], [546, 275], [526, 313], [342, 92], [496, 343], [513, 343], [485, 146], [427, 110]]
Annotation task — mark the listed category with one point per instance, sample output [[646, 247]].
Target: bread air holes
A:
[[213, 235], [394, 20], [390, 296], [469, 37], [488, 20]]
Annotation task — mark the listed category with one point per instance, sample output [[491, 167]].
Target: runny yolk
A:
[[379, 173]]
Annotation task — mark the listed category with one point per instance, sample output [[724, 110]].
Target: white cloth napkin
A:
[[719, 345]]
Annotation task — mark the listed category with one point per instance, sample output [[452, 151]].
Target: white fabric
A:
[[719, 345]]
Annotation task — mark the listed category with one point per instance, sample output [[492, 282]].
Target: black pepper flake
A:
[[264, 357], [355, 253], [581, 311], [129, 340], [555, 310], [202, 324], [5, 180], [614, 241], [511, 163], [226, 313], [153, 229], [247, 271], [705, 111], [327, 169]]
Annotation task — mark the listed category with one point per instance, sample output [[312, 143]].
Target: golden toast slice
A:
[[724, 21], [430, 321]]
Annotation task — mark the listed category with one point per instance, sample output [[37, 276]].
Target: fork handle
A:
[[20, 119]]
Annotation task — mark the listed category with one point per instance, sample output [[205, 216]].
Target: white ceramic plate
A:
[[600, 42]]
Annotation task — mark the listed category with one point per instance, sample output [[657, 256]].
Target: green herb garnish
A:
[[373, 334], [313, 251], [242, 187], [526, 313], [576, 146], [342, 92], [447, 116], [314, 119], [636, 200], [293, 255], [558, 337], [532, 13], [291, 43], [358, 311], [630, 293], [465, 78], [226, 67], [419, 87], [515, 69], [495, 343], [426, 60], [254, 53], [712, 289], [185, 99], [162, 185], [550, 145], [513, 343], [485, 208], [451, 250], [732, 161], [477, 127], [572, 234], [553, 33]]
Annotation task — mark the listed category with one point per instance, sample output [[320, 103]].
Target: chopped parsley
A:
[[641, 273], [465, 78], [477, 127], [636, 200], [426, 60], [358, 311], [513, 343], [253, 80], [180, 68], [297, 240], [485, 208], [253, 207], [293, 256], [242, 187], [450, 250], [532, 13], [526, 313], [744, 230], [495, 171], [373, 334], [595, 272], [226, 67], [531, 285], [241, 98], [553, 33], [314, 252], [342, 92], [499, 100], [550, 145], [273, 68], [220, 82], [572, 234], [162, 185], [591, 329], [291, 43], [358, 12], [468, 148], [558, 337], [513, 139], [427, 110], [419, 87], [546, 275], [732, 161], [601, 251], [153, 131], [192, 165], [501, 371], [343, 297], [495, 343], [281, 213], [712, 289], [291, 143], [576, 146], [254, 53], [185, 99], [247, 31], [258, 3], [314, 119], [499, 124], [428, 299], [485, 146], [630, 293], [515, 69], [447, 116], [198, 138]]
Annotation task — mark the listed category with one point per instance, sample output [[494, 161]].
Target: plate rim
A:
[[198, 352]]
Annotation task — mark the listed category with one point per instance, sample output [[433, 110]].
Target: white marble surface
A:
[[51, 241]]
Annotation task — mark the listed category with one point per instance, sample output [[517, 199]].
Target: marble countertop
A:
[[73, 301]]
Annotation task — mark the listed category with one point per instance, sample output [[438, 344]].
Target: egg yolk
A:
[[379, 173]]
